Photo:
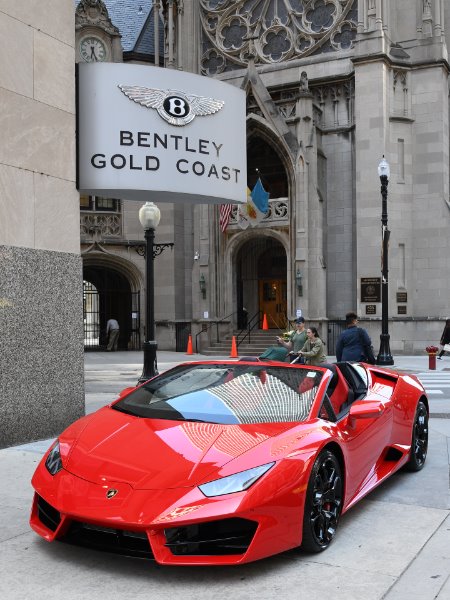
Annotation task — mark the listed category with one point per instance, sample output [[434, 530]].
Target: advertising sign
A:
[[152, 134]]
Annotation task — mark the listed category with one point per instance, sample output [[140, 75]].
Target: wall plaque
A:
[[371, 309], [402, 296], [370, 289]]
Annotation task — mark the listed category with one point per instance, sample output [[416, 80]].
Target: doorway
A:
[[273, 302], [261, 286], [107, 294]]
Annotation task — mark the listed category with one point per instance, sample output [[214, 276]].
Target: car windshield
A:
[[228, 394]]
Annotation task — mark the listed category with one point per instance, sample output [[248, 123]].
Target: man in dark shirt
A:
[[352, 342]]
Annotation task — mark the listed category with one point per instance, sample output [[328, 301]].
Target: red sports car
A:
[[229, 462]]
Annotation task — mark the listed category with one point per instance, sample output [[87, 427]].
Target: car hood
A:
[[158, 454]]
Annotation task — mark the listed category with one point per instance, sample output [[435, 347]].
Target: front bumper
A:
[[175, 527]]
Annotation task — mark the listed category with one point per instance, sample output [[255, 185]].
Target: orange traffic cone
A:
[[265, 326], [234, 352], [189, 346]]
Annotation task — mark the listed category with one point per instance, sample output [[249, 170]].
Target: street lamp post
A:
[[149, 216], [384, 355]]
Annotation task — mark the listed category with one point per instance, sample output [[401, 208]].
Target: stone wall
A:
[[41, 345]]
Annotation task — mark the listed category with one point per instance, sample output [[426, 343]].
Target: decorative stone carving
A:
[[106, 226], [303, 86], [334, 105], [94, 13], [278, 214], [273, 31], [400, 101]]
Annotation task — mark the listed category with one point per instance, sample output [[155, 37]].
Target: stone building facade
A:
[[332, 86], [41, 333]]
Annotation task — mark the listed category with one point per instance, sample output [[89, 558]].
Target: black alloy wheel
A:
[[419, 442], [323, 503]]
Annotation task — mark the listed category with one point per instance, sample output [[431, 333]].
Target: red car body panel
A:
[[155, 467]]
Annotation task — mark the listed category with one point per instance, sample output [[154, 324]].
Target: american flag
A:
[[225, 213]]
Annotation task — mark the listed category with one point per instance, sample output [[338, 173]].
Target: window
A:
[[97, 203]]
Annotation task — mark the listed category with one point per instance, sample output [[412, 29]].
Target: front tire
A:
[[419, 442], [323, 503]]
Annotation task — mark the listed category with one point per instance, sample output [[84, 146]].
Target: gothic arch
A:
[[258, 126], [235, 245], [125, 267]]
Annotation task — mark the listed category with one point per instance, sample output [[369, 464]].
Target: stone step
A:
[[259, 341]]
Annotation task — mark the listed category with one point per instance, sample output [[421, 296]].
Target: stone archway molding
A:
[[234, 245], [123, 266]]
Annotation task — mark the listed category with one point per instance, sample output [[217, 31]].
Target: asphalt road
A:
[[393, 545]]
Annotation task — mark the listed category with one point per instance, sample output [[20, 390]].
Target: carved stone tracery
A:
[[94, 13], [273, 31]]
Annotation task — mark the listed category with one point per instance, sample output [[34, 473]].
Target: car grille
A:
[[118, 541], [48, 515], [214, 538]]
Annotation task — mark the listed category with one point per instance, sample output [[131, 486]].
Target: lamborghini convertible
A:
[[229, 462]]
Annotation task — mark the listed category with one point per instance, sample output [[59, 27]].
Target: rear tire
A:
[[419, 441], [323, 503]]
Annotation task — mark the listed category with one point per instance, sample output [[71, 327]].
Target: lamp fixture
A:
[[149, 216], [202, 284], [383, 168], [299, 282]]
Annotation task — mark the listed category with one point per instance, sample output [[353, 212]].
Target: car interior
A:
[[345, 386]]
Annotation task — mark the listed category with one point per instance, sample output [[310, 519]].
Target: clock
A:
[[92, 49]]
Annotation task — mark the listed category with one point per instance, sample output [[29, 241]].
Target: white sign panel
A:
[[146, 133]]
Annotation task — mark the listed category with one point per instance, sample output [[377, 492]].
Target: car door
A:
[[365, 435]]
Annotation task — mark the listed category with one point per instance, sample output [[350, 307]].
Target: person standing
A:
[[297, 339], [112, 331], [313, 351], [445, 338], [354, 343]]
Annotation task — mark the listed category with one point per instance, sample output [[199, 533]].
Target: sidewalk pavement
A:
[[393, 545]]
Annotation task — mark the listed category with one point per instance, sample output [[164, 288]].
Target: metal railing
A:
[[245, 332], [206, 328]]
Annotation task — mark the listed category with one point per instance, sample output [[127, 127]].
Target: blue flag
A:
[[256, 208], [260, 197]]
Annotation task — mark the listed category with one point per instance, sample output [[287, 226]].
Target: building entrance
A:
[[107, 294], [273, 302], [261, 269]]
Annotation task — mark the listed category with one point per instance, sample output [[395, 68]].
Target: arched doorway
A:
[[261, 285], [107, 294]]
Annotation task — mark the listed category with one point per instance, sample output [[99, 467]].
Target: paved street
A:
[[393, 545]]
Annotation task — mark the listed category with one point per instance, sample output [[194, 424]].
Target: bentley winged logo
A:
[[111, 493], [175, 107]]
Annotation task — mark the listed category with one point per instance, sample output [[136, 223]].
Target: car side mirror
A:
[[126, 391], [366, 409]]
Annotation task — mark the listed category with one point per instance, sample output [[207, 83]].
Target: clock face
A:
[[92, 49]]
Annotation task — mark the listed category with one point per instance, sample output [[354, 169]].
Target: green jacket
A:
[[314, 352]]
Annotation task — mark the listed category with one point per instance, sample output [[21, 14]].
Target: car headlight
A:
[[234, 483], [54, 462]]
